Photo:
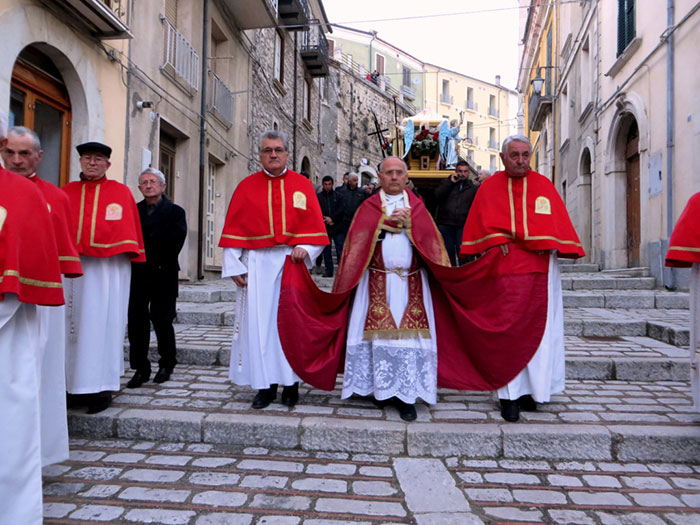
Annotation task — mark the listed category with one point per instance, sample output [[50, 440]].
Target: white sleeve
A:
[[232, 264], [313, 251]]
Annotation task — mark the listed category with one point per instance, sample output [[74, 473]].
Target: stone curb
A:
[[648, 443]]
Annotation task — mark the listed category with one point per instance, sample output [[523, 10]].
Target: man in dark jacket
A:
[[154, 283], [332, 209], [353, 196], [454, 197]]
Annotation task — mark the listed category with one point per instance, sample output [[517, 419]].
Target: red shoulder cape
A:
[[490, 314], [525, 210], [28, 256], [64, 230], [106, 218], [266, 211], [684, 245]]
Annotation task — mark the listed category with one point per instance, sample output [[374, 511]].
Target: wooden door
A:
[[167, 163], [633, 199]]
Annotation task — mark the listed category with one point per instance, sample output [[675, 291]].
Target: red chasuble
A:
[[684, 246], [524, 210], [63, 227], [266, 211], [28, 255], [490, 314], [107, 219]]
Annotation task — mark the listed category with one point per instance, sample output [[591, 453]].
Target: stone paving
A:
[[136, 481]]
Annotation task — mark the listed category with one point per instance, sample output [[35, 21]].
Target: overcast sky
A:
[[478, 44]]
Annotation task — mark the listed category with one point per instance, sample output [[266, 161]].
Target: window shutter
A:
[[171, 11]]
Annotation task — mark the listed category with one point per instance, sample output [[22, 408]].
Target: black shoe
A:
[[509, 410], [290, 395], [140, 377], [527, 404], [162, 375], [380, 403], [406, 412], [99, 402], [328, 274], [76, 400], [264, 397]]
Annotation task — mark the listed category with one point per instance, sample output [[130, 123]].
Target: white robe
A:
[[257, 358], [20, 449], [404, 368], [96, 308], [544, 375], [52, 384], [695, 334]]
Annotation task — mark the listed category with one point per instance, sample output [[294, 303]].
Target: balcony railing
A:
[[538, 108], [446, 99], [253, 14], [493, 112], [103, 19], [294, 15], [180, 57], [220, 99], [314, 50], [408, 92], [469, 104], [493, 144]]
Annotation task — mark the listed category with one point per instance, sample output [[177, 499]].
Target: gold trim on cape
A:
[[31, 282]]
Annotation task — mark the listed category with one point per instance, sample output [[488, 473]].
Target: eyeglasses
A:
[[268, 151], [150, 183]]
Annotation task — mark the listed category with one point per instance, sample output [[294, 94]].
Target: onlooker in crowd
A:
[[343, 186], [22, 155], [31, 276], [109, 238], [273, 213], [523, 207], [454, 197], [331, 203], [154, 283], [352, 198], [482, 176]]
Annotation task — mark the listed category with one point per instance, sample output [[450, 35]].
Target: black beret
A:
[[94, 147]]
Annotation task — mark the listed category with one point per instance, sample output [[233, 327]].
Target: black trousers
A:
[[142, 312]]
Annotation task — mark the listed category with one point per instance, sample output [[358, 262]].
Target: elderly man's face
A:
[[150, 186], [273, 156], [516, 159], [20, 155], [393, 177], [94, 165], [352, 182]]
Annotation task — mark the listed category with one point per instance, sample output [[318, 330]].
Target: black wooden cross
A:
[[378, 133]]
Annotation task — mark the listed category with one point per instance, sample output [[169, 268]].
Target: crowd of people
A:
[[470, 300]]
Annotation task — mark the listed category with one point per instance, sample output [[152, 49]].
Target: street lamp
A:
[[537, 83]]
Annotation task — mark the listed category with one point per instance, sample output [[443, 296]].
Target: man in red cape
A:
[[273, 213], [109, 237], [22, 155], [521, 208], [684, 252], [29, 276], [451, 322]]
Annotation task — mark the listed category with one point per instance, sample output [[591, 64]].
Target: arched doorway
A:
[[306, 170], [634, 223], [39, 100]]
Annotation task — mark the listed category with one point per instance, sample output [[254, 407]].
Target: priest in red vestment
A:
[[684, 252], [22, 155], [400, 322], [108, 238], [29, 276], [273, 213], [521, 208]]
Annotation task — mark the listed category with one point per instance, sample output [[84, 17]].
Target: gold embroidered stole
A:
[[379, 322]]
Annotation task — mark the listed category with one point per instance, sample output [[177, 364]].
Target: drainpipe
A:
[[202, 141], [374, 35], [352, 123], [294, 125], [670, 276]]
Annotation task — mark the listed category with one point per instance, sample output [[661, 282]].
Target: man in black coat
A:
[[332, 209], [353, 195], [454, 197], [154, 283]]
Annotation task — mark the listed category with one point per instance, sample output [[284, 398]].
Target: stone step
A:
[[579, 268], [628, 272], [622, 421], [629, 358], [617, 299], [603, 282]]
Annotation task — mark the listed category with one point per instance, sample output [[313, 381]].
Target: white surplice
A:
[[20, 448], [257, 358], [544, 375], [96, 308], [695, 334], [52, 384], [404, 368]]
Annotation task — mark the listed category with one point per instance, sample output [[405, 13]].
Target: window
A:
[[331, 48], [322, 88], [492, 163], [586, 74], [492, 139], [470, 131], [278, 64], [380, 64], [168, 145], [307, 100], [470, 156], [492, 106], [548, 71], [406, 79], [445, 99], [470, 98], [171, 11], [625, 24], [565, 110]]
